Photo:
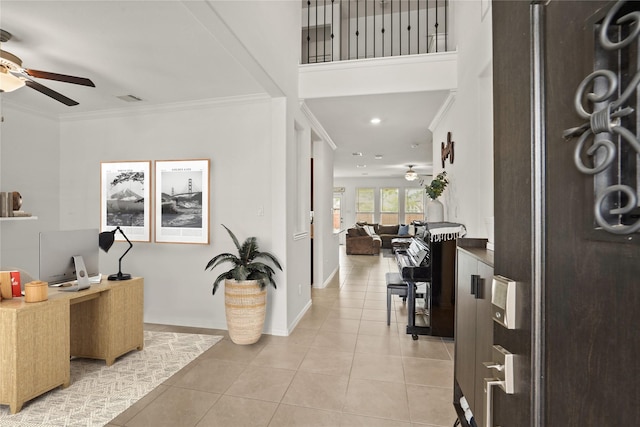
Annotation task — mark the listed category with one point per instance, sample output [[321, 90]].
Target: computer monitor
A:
[[57, 252]]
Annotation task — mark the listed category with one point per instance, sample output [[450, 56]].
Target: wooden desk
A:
[[38, 339]]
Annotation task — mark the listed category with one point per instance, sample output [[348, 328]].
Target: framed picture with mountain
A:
[[125, 199], [182, 201]]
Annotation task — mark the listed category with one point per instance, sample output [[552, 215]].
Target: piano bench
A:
[[395, 286]]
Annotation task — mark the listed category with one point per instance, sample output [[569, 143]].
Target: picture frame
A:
[[125, 199], [182, 201]]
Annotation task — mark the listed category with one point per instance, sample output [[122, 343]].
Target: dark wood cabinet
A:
[[474, 328]]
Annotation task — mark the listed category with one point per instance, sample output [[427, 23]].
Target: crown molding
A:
[[316, 125], [444, 109], [24, 109], [163, 108]]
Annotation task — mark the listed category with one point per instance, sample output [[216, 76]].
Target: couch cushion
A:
[[353, 232], [370, 230], [387, 229], [362, 231]]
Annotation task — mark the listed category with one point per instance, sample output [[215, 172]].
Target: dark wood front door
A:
[[588, 280]]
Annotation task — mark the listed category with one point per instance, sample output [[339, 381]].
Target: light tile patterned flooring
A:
[[341, 366]]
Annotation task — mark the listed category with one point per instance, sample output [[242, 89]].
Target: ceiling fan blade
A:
[[59, 77], [51, 93]]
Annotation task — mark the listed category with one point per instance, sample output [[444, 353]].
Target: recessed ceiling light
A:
[[361, 166], [378, 157], [375, 121], [415, 145], [357, 153]]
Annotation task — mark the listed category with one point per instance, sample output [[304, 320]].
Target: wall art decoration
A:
[[446, 150], [125, 198], [182, 201]]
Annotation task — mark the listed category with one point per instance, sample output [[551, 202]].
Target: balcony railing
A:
[[335, 30]]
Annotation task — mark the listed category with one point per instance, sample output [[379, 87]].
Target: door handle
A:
[[489, 383], [474, 284], [494, 365]]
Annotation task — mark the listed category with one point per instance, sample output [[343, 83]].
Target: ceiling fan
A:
[[13, 76]]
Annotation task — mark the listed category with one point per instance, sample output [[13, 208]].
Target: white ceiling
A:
[[160, 52], [402, 137], [155, 50]]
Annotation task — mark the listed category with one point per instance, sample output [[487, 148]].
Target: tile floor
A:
[[341, 366]]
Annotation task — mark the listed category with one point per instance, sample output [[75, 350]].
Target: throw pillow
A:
[[403, 230], [370, 230], [362, 232], [387, 229]]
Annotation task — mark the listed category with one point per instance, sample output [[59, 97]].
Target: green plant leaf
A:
[[245, 266]]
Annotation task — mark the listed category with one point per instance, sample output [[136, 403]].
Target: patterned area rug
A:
[[98, 393]]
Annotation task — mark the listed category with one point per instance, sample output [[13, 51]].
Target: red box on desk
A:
[[15, 284]]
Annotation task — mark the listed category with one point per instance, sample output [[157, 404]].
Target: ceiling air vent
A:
[[130, 98]]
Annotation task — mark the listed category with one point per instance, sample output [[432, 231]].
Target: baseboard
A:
[[298, 318], [329, 279]]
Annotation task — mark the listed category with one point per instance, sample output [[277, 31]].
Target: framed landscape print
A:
[[125, 199], [182, 201]]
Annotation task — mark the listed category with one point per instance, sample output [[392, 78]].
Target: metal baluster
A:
[[418, 51], [382, 30], [308, 30], [446, 25], [357, 29], [409, 30], [436, 37], [427, 26], [332, 34], [349, 30], [324, 29], [374, 30]]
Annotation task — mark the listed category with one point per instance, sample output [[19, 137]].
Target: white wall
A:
[[29, 163], [325, 241], [270, 31], [469, 196], [237, 138], [248, 135]]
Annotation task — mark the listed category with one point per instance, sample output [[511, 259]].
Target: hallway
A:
[[342, 366]]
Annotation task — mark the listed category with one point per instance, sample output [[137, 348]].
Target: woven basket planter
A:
[[245, 307]]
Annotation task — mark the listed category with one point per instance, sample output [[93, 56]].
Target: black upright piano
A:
[[432, 261]]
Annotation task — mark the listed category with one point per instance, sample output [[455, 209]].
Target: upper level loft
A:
[[339, 30]]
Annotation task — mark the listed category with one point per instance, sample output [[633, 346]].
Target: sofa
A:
[[388, 232], [368, 239], [360, 242]]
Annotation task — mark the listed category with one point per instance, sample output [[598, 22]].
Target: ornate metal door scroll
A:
[[608, 145]]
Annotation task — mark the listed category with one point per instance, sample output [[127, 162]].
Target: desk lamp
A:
[[105, 241]]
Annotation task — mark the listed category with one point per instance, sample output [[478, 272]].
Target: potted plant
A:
[[435, 209], [245, 288]]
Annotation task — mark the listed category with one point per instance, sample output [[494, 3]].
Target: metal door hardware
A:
[[502, 367], [504, 302]]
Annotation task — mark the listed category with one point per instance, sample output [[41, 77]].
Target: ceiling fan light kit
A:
[[9, 82], [13, 76], [411, 175]]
